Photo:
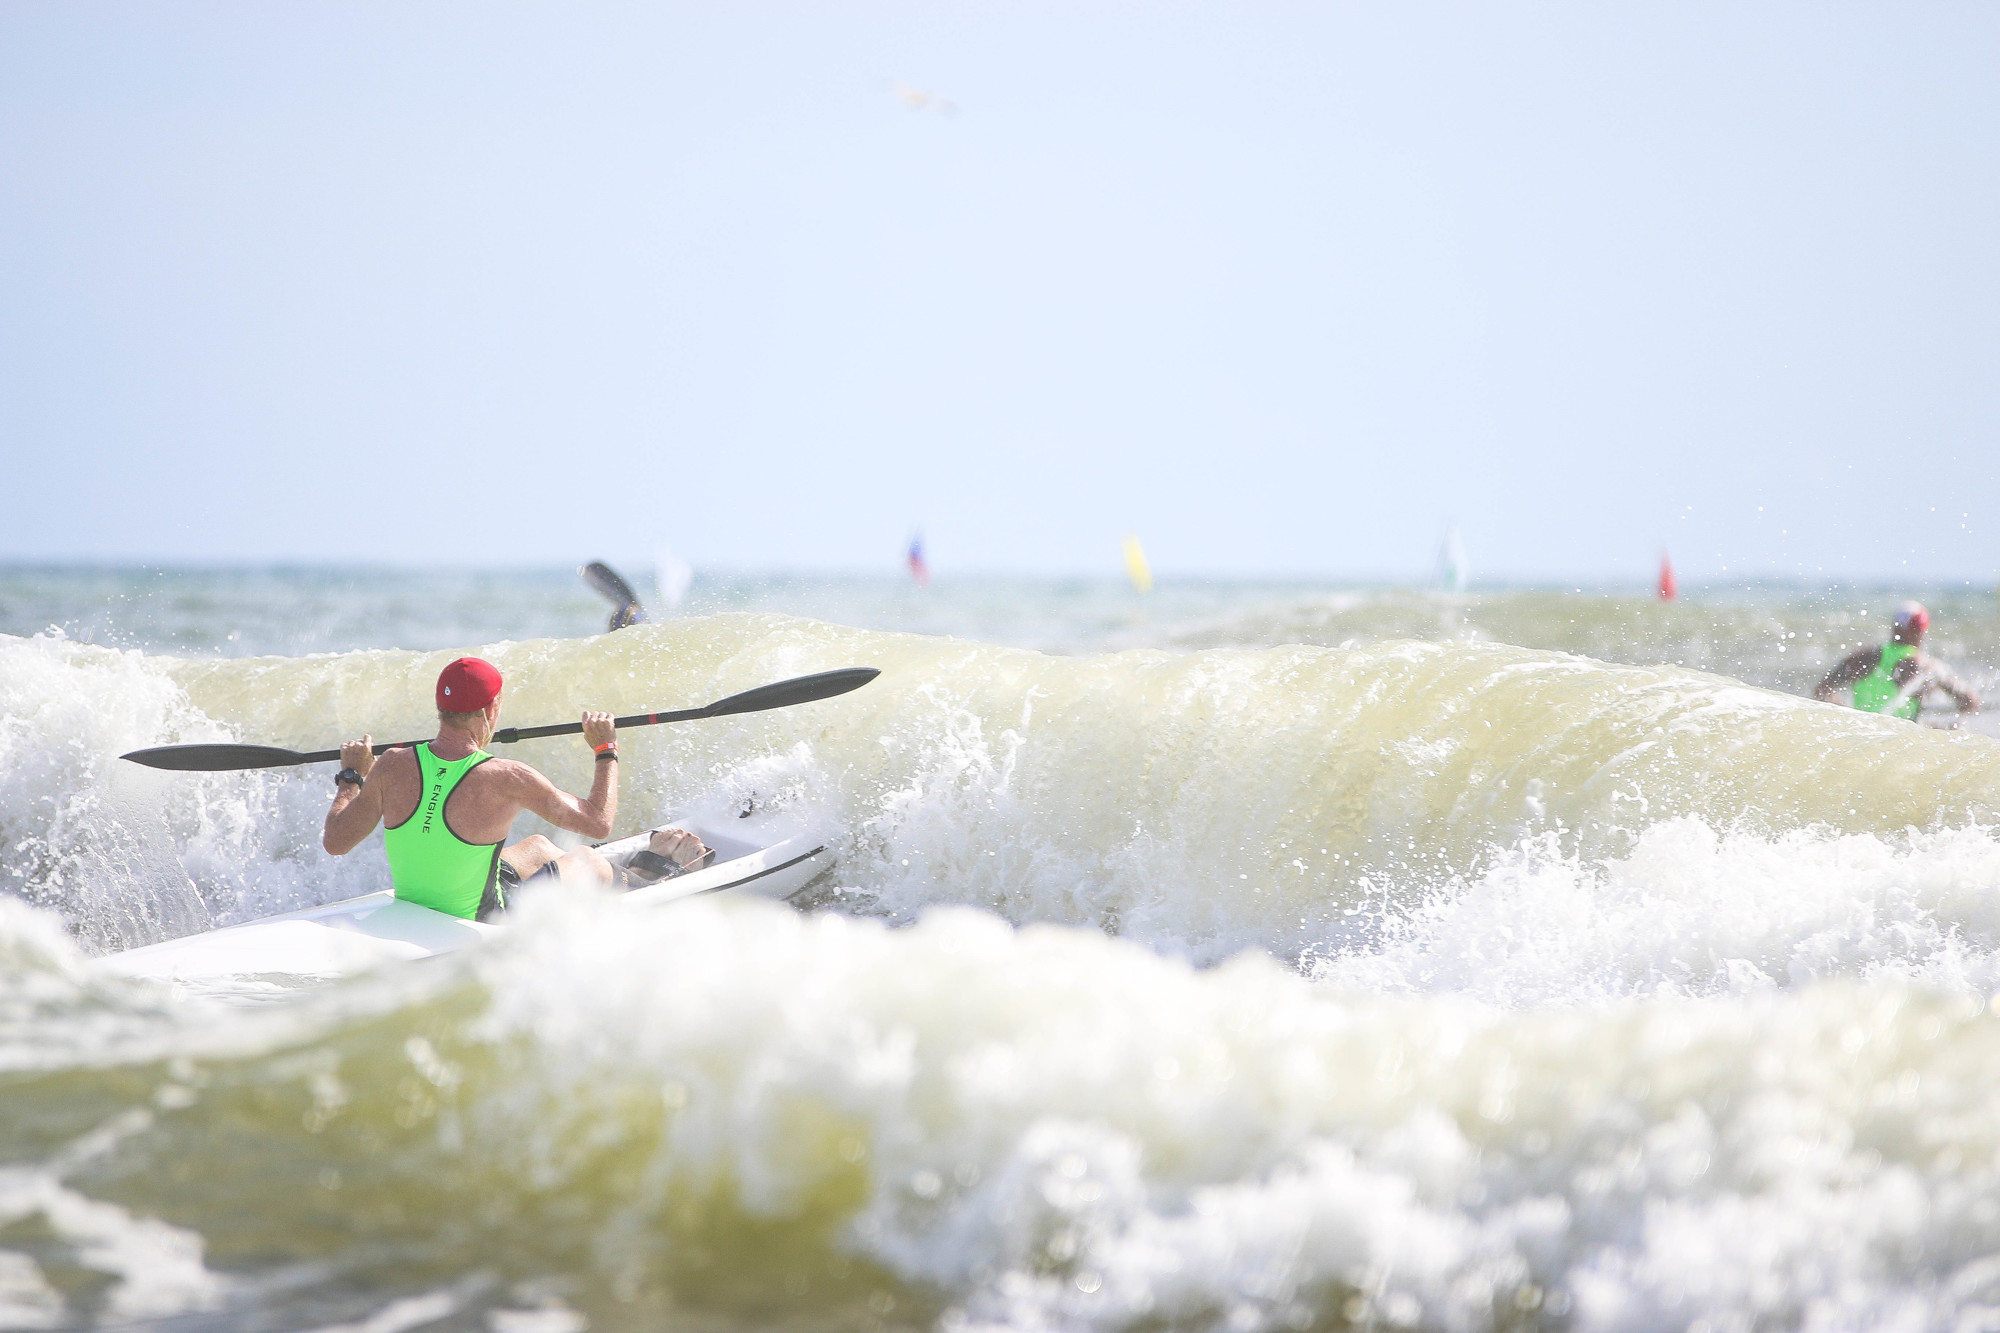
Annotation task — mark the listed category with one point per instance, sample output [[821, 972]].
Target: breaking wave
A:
[[1444, 985]]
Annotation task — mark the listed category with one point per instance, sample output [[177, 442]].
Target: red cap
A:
[[1911, 615], [468, 685]]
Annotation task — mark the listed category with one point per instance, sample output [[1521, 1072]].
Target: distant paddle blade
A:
[[798, 690], [215, 758], [606, 582]]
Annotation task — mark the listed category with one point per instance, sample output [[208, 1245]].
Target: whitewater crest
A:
[[768, 1117]]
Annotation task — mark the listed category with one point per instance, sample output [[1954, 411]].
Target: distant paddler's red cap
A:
[[1912, 616], [468, 685]]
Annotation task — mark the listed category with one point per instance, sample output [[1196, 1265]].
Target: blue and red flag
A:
[[918, 569]]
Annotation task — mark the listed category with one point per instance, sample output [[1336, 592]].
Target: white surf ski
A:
[[338, 939]]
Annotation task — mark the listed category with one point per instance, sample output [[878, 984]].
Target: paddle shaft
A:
[[225, 757], [508, 735]]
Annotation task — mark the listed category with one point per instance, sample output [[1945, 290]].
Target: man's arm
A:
[[356, 810], [1938, 676], [1850, 669], [593, 815]]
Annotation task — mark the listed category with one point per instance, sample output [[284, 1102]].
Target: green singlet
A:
[[1874, 692], [430, 864]]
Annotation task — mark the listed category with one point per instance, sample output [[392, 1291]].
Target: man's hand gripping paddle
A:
[[222, 758]]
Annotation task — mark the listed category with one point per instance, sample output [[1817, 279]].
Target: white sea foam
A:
[[1050, 1129], [1046, 1128], [1693, 912], [156, 1269], [1065, 1131]]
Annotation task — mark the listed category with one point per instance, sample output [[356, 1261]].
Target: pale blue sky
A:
[[1282, 288]]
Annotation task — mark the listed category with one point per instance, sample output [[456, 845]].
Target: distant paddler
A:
[[446, 806], [1893, 677]]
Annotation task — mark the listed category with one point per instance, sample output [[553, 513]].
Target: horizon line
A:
[[1406, 580]]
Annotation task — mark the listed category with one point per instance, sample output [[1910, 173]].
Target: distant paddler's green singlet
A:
[[1876, 691], [431, 866]]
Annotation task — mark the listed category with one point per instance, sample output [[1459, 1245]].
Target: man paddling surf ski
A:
[[446, 806], [1892, 677]]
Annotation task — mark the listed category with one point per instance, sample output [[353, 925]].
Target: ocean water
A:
[[1245, 957]]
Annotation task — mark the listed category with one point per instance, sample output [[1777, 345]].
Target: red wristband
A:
[[609, 747]]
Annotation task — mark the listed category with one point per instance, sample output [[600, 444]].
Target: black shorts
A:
[[494, 902]]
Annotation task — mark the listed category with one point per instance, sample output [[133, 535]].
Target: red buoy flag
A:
[[1667, 586]]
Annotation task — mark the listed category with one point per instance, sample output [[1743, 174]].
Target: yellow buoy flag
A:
[[1135, 564]]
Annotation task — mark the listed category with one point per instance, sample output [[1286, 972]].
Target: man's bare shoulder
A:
[[1858, 663], [510, 773], [396, 762]]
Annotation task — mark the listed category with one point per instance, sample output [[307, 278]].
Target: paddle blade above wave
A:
[[221, 758], [614, 589], [607, 582], [798, 690]]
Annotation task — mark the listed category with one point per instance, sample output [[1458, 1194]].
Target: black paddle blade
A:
[[604, 580], [798, 690], [219, 758]]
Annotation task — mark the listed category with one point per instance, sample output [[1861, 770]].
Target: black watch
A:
[[348, 775]]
